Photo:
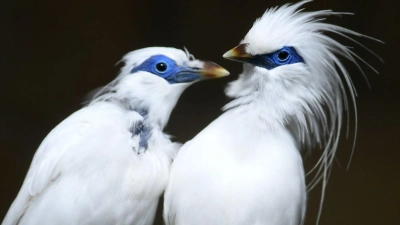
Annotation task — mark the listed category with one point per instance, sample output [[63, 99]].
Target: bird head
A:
[[170, 65], [153, 79], [287, 54], [292, 68]]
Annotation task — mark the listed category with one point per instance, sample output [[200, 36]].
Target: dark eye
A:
[[161, 67], [283, 55]]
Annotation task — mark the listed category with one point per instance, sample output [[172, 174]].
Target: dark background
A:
[[54, 52]]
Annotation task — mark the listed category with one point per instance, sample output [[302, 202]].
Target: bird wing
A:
[[68, 138]]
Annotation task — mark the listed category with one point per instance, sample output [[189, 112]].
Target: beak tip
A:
[[219, 72], [213, 70], [227, 54], [224, 72]]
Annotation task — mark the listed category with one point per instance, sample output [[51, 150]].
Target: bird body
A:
[[86, 172], [228, 167], [245, 168], [108, 163]]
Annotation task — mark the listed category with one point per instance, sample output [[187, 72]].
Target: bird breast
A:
[[240, 173]]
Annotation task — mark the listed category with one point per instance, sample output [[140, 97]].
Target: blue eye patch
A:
[[167, 68], [159, 65], [284, 56]]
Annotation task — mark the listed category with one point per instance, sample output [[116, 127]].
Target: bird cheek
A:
[[276, 76], [250, 68], [260, 71]]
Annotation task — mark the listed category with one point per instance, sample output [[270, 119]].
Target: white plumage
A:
[[108, 163], [245, 167]]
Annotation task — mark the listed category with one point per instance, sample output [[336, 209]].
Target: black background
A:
[[54, 52]]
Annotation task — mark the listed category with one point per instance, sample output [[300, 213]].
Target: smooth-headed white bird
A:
[[245, 168], [108, 163]]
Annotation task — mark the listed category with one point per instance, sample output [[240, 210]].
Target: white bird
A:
[[245, 168], [108, 163]]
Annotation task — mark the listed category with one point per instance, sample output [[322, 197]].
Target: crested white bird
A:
[[108, 163], [246, 167]]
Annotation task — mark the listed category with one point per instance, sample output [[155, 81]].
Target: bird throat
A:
[[141, 130]]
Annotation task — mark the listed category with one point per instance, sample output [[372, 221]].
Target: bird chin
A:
[[184, 85], [253, 69]]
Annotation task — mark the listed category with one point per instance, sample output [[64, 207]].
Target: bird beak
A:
[[199, 70], [239, 54], [212, 70]]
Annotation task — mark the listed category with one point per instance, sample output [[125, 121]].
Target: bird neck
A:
[[266, 104], [153, 98], [300, 112], [155, 113], [269, 109]]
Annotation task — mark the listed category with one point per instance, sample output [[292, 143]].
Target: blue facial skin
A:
[[167, 68], [284, 56]]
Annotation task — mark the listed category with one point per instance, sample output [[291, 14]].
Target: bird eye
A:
[[283, 55], [161, 67]]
